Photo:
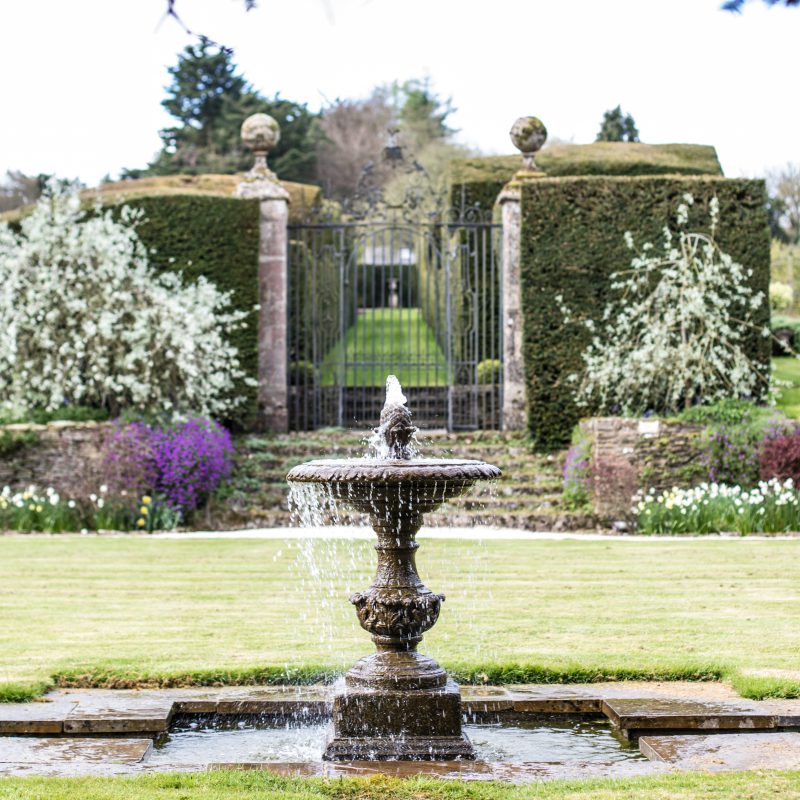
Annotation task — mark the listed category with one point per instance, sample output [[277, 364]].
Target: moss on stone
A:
[[303, 197]]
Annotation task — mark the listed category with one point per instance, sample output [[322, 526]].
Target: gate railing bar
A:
[[342, 372], [449, 333]]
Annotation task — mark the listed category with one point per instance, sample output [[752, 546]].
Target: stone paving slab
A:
[[19, 750], [278, 700], [119, 712], [588, 698], [662, 714], [726, 751], [41, 717], [634, 705]]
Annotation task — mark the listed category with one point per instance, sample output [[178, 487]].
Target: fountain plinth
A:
[[396, 703]]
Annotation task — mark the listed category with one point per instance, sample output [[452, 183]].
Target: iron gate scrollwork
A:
[[381, 288]]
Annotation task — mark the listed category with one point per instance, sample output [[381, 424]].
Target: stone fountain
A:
[[396, 703]]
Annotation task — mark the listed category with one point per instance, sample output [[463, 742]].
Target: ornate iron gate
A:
[[397, 289], [420, 300]]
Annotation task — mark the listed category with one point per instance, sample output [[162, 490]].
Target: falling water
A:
[[378, 444], [328, 569]]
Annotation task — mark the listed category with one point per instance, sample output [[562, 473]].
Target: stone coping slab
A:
[[29, 750], [41, 717], [631, 706], [651, 714], [726, 751]]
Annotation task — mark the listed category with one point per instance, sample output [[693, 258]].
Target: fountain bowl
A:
[[408, 486]]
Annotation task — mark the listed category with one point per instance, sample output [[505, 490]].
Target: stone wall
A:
[[628, 455], [64, 455]]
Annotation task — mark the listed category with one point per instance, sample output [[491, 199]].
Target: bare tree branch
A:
[[171, 11]]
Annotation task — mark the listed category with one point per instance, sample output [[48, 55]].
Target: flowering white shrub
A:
[[85, 320], [781, 296], [773, 506], [676, 332]]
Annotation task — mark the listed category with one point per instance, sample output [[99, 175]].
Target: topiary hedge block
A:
[[217, 238], [304, 199], [628, 158], [480, 180], [572, 239]]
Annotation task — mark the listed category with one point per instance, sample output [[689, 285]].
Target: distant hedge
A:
[[478, 181], [572, 239], [216, 237]]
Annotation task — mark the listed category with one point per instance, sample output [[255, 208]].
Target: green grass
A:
[[258, 785], [141, 611], [396, 340], [788, 369]]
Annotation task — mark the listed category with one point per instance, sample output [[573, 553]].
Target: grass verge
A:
[[103, 611], [748, 686], [255, 785], [23, 692]]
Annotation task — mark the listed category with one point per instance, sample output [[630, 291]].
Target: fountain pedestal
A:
[[396, 703], [385, 724]]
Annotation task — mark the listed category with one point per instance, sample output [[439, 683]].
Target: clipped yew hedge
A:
[[478, 181], [572, 239], [218, 238]]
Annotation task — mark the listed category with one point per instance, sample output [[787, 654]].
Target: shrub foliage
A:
[[87, 321], [572, 240]]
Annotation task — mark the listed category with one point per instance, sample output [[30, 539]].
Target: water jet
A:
[[396, 703]]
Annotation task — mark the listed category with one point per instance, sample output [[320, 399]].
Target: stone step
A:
[[636, 717]]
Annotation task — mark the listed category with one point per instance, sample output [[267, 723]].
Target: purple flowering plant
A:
[[169, 471], [191, 460], [732, 452]]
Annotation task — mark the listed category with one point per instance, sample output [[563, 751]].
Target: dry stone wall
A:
[[629, 455], [64, 455]]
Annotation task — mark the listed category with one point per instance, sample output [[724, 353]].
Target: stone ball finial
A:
[[260, 132], [528, 134]]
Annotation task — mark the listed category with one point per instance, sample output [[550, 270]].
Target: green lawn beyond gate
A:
[[384, 340], [138, 610]]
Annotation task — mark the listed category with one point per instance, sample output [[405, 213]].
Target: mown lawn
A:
[[788, 369], [139, 610], [254, 785], [394, 339]]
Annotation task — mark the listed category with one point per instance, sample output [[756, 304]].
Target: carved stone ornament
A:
[[260, 133], [528, 135], [391, 613], [396, 686]]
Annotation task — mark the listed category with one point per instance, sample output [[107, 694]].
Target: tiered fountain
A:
[[396, 703]]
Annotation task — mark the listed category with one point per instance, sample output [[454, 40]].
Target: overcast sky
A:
[[82, 80]]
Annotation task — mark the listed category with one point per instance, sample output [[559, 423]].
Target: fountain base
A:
[[376, 724]]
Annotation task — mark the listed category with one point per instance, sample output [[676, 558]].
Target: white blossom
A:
[[86, 320], [676, 333]]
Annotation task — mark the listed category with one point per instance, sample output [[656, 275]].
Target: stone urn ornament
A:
[[260, 133], [528, 135], [396, 703]]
